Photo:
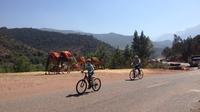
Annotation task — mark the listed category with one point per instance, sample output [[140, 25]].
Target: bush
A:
[[155, 65], [22, 64], [5, 69]]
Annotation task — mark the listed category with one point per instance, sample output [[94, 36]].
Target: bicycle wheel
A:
[[81, 86], [96, 84], [131, 75], [140, 76]]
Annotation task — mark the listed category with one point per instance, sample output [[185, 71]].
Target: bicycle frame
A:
[[86, 76]]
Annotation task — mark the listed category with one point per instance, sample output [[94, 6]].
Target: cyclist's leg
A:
[[135, 67], [90, 79], [138, 68]]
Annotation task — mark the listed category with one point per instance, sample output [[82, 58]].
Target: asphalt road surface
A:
[[178, 92]]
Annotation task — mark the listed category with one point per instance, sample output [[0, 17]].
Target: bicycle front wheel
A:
[[132, 75], [96, 84], [81, 86]]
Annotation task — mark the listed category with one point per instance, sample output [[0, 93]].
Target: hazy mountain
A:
[[114, 39], [118, 40], [162, 44], [61, 31], [159, 46], [193, 31]]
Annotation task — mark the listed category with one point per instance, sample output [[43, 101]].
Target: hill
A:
[[29, 47], [114, 39], [52, 41], [16, 56], [118, 40]]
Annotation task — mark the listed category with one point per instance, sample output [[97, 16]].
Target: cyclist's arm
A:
[[139, 61], [84, 68], [92, 68]]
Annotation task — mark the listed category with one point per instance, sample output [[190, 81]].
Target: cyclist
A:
[[90, 69], [136, 63]]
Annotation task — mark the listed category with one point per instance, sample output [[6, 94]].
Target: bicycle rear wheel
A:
[[81, 86], [131, 75], [96, 84], [140, 76]]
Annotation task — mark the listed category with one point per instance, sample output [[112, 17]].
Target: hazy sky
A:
[[155, 17]]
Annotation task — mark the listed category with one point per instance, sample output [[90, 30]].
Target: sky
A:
[[154, 17]]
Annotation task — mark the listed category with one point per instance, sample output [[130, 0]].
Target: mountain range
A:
[[21, 47], [120, 41], [116, 40], [49, 41], [192, 31]]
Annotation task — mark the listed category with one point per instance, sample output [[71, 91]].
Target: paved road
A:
[[164, 93]]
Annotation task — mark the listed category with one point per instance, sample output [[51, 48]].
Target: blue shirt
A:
[[89, 67]]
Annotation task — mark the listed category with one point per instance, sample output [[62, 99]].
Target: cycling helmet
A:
[[88, 60]]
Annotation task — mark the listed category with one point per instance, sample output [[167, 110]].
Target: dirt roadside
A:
[[16, 85]]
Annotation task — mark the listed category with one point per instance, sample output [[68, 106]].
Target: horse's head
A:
[[81, 60]]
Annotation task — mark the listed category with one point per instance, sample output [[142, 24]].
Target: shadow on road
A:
[[131, 80], [78, 95]]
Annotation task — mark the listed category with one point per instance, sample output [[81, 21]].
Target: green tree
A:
[[181, 49], [117, 59], [103, 54], [142, 46], [127, 55], [177, 46], [22, 64], [195, 47], [167, 52], [187, 49]]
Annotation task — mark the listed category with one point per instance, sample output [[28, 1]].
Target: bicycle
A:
[[135, 73], [82, 84]]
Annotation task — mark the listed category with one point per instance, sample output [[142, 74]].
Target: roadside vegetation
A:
[[26, 49], [182, 49]]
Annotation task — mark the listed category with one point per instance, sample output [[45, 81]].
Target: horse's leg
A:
[[47, 65], [68, 68]]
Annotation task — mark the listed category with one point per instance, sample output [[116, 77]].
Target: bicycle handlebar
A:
[[83, 72]]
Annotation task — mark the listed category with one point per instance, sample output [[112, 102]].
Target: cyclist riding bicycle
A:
[[90, 69], [136, 63]]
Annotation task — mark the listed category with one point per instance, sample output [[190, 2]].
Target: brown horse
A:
[[98, 63], [81, 61], [56, 61], [94, 60], [79, 65]]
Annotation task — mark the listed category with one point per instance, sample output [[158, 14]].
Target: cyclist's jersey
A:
[[89, 67], [137, 61]]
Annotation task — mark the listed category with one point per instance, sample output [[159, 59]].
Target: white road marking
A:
[[156, 85]]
